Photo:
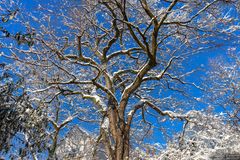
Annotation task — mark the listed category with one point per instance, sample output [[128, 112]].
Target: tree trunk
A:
[[126, 145], [53, 148], [122, 146]]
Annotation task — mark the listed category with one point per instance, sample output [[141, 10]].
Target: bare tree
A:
[[223, 84], [124, 63], [205, 136]]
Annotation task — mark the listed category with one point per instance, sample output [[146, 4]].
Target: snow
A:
[[28, 111], [130, 113], [198, 99], [205, 137], [96, 99], [105, 124]]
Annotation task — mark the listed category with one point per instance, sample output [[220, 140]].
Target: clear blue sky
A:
[[200, 60]]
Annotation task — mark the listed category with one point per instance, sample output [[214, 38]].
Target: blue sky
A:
[[200, 60]]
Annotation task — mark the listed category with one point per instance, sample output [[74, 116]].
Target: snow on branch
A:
[[170, 114]]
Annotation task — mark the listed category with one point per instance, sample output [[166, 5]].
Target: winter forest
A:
[[119, 80]]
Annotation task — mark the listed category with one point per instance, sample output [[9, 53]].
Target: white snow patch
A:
[[105, 124]]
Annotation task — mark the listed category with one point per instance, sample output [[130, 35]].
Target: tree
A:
[[123, 63], [206, 136], [215, 135], [8, 13], [7, 100], [79, 144], [223, 84], [21, 125]]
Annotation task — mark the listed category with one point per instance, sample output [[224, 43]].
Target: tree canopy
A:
[[124, 70]]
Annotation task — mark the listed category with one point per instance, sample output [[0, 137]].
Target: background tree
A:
[[206, 136], [8, 13], [21, 124], [224, 81], [122, 64], [214, 135]]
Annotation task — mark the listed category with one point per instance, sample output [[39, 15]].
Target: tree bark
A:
[[122, 146]]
